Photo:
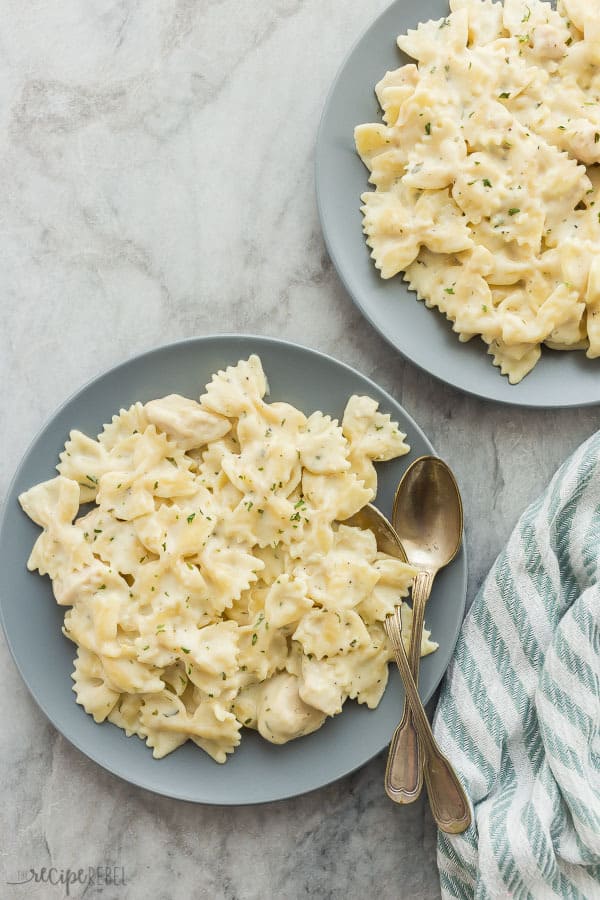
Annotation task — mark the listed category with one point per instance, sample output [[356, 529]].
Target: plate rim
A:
[[355, 294], [238, 337]]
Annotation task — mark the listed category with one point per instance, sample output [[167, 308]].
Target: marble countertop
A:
[[157, 182]]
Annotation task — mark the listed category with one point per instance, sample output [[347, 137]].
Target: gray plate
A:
[[422, 335], [257, 771]]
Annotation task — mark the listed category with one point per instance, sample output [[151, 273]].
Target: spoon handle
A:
[[447, 798], [404, 770], [420, 595]]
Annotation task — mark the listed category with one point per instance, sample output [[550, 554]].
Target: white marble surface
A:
[[156, 181]]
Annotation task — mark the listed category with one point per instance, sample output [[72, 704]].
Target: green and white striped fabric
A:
[[519, 713]]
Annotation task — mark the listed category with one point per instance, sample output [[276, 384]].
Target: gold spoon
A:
[[447, 798], [428, 519]]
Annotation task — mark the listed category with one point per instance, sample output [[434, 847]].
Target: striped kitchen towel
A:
[[519, 712]]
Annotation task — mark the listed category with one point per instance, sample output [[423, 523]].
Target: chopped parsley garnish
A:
[[596, 137], [155, 485], [254, 638], [514, 210], [92, 479], [185, 649], [295, 517], [484, 308], [191, 518], [504, 95], [449, 290], [486, 182], [428, 128], [160, 628], [102, 587]]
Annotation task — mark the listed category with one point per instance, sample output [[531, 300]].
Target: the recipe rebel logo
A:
[[68, 879]]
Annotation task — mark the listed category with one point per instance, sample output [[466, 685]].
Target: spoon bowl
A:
[[428, 514], [385, 535]]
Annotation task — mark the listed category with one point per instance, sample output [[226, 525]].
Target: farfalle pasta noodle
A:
[[485, 192], [213, 585]]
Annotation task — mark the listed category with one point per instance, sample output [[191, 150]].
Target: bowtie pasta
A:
[[212, 584], [486, 178]]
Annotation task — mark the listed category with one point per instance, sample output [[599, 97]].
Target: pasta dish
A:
[[209, 580], [485, 175]]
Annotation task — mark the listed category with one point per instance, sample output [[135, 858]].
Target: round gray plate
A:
[[257, 771], [422, 335]]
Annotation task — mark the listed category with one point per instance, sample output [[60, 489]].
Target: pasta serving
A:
[[213, 585], [486, 178]]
